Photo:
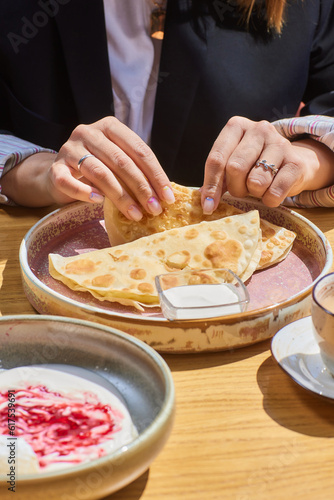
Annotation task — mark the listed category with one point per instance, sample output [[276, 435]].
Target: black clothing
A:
[[54, 73]]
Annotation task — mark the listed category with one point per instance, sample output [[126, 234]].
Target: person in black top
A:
[[227, 70]]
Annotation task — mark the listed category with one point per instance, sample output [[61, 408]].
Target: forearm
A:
[[27, 183]]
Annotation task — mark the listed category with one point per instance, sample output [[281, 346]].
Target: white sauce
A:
[[25, 458], [201, 301]]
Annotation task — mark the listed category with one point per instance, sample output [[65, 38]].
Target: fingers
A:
[[139, 152], [232, 164], [289, 175], [215, 168], [64, 185], [132, 161], [131, 192], [232, 156], [120, 166], [94, 180], [275, 179]]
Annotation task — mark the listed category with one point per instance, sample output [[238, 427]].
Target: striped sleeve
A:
[[320, 128], [12, 151]]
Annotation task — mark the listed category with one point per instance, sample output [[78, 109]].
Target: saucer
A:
[[296, 351]]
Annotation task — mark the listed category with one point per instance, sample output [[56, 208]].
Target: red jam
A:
[[56, 425]]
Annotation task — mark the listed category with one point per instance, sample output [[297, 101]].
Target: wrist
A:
[[318, 160], [26, 183]]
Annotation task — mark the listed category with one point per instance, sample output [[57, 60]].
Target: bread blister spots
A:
[[178, 260], [103, 281], [138, 274], [82, 266]]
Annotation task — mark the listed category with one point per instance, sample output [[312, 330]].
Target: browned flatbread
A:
[[187, 210], [276, 243], [126, 273]]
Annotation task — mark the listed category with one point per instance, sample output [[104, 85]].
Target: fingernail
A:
[[208, 206], [134, 213], [154, 206], [168, 194], [96, 198]]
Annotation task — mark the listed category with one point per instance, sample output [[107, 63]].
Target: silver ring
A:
[[82, 159], [266, 165]]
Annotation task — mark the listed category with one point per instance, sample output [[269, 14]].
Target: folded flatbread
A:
[[187, 210], [126, 273]]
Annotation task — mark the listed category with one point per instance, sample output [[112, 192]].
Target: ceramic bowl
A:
[[135, 370], [279, 294]]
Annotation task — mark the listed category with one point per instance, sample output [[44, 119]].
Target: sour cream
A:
[[24, 459], [200, 301]]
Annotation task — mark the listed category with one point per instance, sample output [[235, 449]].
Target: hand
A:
[[231, 164], [122, 167]]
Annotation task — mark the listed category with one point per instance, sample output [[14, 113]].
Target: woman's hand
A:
[[232, 164], [120, 166]]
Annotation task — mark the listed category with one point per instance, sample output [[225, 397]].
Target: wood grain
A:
[[243, 429]]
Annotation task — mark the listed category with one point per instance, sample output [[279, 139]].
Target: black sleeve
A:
[[319, 94]]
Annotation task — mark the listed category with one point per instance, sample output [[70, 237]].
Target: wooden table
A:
[[243, 430]]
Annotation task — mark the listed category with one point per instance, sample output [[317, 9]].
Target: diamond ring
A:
[[266, 165]]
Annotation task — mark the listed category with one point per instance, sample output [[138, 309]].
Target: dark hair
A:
[[255, 15]]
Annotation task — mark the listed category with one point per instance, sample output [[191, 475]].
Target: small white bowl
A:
[[204, 293]]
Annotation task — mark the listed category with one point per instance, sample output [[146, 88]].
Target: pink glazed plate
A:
[[279, 294]]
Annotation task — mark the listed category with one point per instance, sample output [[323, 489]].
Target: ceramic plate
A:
[[278, 295], [296, 351], [108, 357]]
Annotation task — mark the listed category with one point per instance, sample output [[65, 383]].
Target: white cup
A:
[[323, 318]]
